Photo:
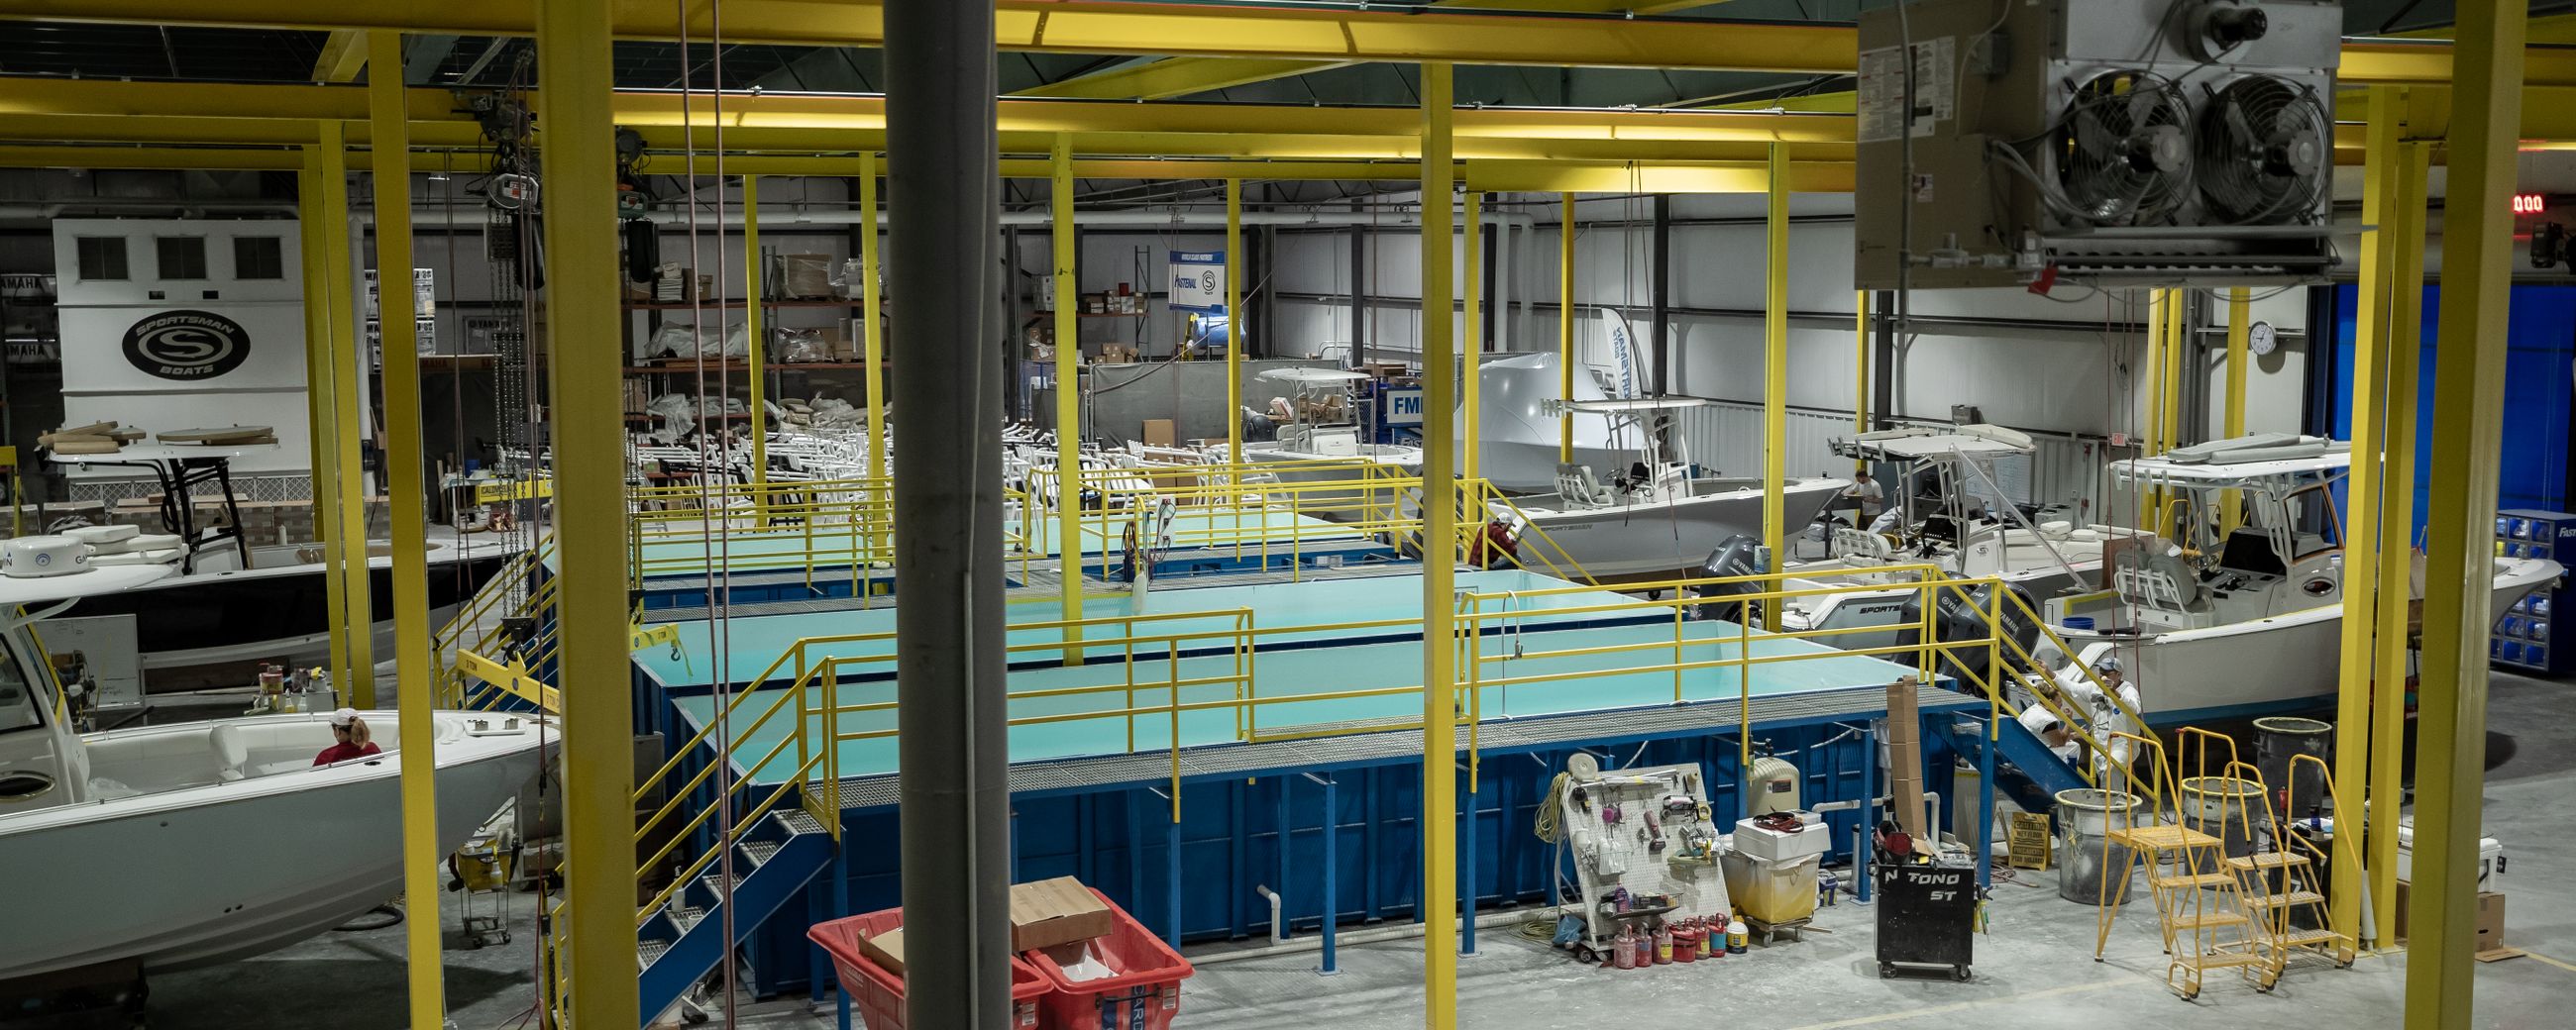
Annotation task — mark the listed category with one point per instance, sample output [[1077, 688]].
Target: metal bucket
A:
[[2086, 856], [2279, 739], [2223, 807]]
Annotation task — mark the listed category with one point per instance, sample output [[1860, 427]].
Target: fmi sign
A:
[[1404, 407], [187, 346]]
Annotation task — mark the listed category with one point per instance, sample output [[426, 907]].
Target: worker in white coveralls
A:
[[2104, 716]]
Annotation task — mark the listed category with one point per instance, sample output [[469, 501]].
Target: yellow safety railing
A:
[[809, 526], [804, 761], [2042, 685]]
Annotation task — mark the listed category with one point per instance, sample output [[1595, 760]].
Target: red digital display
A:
[[2529, 203]]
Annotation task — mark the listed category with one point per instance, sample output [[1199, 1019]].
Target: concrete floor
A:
[[2034, 968]]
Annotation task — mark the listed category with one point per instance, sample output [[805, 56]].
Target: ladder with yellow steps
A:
[[2284, 882], [2201, 905]]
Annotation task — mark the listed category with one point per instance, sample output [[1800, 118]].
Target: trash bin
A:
[[877, 992], [2224, 807], [2301, 792], [1777, 892], [2086, 854], [1129, 979]]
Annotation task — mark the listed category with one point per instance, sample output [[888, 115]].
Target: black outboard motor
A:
[[1961, 615], [1738, 555]]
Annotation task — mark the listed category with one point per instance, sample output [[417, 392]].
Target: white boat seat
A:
[[1580, 488], [255, 750]]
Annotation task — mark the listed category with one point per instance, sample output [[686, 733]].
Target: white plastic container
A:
[[2490, 857], [1773, 846]]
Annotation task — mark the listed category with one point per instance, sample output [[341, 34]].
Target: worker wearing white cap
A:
[[351, 739]]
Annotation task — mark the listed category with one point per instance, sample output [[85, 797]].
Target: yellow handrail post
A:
[[579, 169], [1068, 393], [1439, 516], [2361, 536], [2469, 402], [1234, 322], [414, 692], [754, 357], [1775, 368], [1565, 327]]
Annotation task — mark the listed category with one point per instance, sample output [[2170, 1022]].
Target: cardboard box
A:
[[2489, 922], [1159, 432], [885, 949], [1051, 913]]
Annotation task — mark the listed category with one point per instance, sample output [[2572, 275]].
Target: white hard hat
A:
[[2107, 663], [344, 717]]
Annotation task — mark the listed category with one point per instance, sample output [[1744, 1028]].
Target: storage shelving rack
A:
[[2526, 635], [671, 375]]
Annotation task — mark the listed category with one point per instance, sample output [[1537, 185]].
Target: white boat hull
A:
[[1339, 505], [1658, 537], [2271, 664], [205, 874]]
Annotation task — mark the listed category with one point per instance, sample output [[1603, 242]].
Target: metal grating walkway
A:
[[1080, 775]]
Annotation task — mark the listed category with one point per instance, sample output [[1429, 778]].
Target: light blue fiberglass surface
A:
[[785, 547], [1308, 612]]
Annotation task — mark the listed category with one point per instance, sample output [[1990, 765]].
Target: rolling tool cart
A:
[[1927, 916]]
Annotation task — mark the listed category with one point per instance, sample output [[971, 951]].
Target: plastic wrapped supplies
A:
[[803, 346], [682, 338]]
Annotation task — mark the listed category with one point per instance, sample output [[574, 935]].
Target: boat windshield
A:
[[20, 706]]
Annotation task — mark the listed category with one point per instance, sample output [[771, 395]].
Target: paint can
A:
[[1737, 937], [2223, 807]]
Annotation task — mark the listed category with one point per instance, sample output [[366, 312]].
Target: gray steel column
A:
[[1661, 325], [944, 184]]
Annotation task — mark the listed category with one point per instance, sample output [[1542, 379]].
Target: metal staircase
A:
[[682, 938], [2200, 904], [2282, 884]]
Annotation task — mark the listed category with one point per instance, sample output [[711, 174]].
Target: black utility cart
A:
[[1927, 916]]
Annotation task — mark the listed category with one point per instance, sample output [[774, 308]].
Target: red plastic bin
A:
[[878, 993], [1143, 994]]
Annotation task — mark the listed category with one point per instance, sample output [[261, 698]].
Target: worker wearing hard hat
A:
[[2104, 716]]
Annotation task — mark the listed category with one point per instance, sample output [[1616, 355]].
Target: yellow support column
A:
[[1775, 370], [1233, 321], [318, 320], [2178, 348], [1860, 366], [2468, 405], [1439, 546], [2152, 442], [1565, 327], [2403, 222], [754, 357], [1473, 331], [871, 305], [349, 477], [574, 104], [2361, 518], [1068, 397], [2231, 422], [407, 500]]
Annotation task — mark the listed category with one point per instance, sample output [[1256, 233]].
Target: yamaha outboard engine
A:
[[1738, 555], [1960, 615]]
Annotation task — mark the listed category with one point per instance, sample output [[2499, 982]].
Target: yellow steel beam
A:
[[1234, 321], [2468, 406], [343, 53], [752, 295], [2232, 397], [581, 243], [318, 322], [1087, 27], [1176, 77], [1439, 568], [2361, 518], [1068, 390], [872, 309], [341, 349], [1664, 177], [1860, 367], [1471, 282], [408, 499], [1564, 324], [1775, 369], [2403, 221]]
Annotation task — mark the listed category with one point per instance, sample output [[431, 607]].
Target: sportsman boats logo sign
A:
[[187, 346]]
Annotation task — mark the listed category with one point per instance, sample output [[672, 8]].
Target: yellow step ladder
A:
[[2200, 902], [2281, 883]]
